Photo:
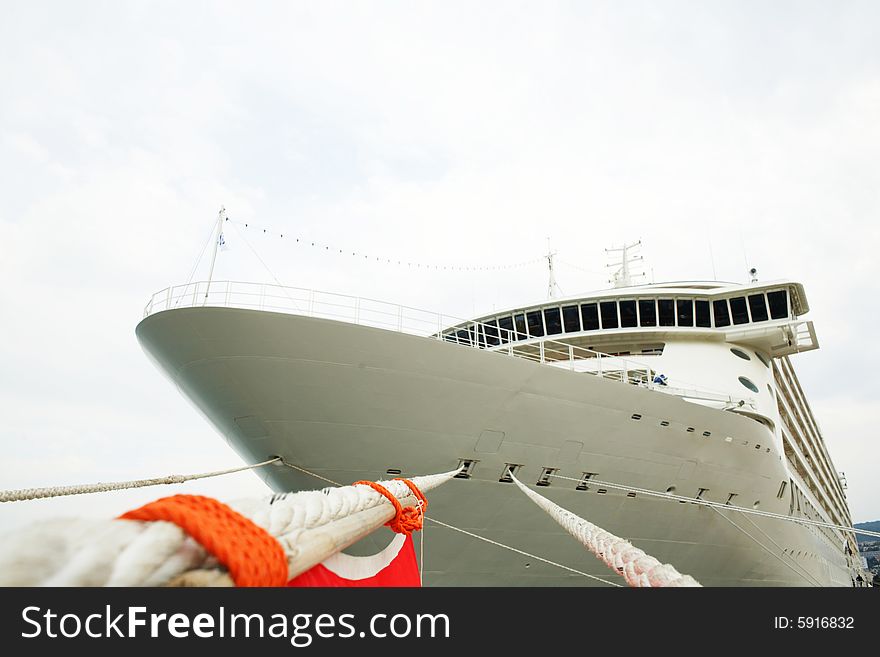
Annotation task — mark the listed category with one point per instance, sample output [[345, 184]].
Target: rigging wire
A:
[[723, 505], [381, 259], [805, 574], [271, 273], [201, 254]]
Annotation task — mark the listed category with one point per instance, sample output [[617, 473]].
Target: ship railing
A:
[[405, 319]]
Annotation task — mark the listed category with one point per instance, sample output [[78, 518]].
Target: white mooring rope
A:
[[637, 567], [309, 526], [59, 491], [471, 534]]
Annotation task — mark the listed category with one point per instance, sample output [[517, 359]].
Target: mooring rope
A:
[[59, 491], [637, 567], [471, 534], [308, 527]]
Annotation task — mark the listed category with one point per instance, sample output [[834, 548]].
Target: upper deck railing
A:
[[414, 321]]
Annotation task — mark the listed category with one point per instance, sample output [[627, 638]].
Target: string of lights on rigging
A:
[[380, 259]]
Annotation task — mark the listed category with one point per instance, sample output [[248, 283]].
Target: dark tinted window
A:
[[722, 317], [685, 311], [553, 320], [702, 313], [471, 336], [738, 310], [666, 310], [505, 329], [462, 336], [491, 330], [778, 304], [609, 314], [571, 319], [758, 307], [536, 326], [520, 321], [590, 315], [627, 314], [647, 312]]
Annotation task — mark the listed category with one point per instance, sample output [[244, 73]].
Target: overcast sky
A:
[[747, 133]]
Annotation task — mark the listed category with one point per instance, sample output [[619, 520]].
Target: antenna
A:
[[552, 285], [218, 240], [623, 276]]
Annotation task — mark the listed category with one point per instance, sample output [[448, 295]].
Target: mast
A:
[[218, 240], [623, 276], [552, 285]]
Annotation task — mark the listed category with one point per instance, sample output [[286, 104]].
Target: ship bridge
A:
[[640, 319]]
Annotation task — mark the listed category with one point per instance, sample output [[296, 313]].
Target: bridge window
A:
[[553, 320], [748, 384], [590, 316], [722, 317], [685, 309], [609, 314], [520, 321], [666, 310], [739, 311], [627, 314], [778, 304], [462, 336], [491, 330], [647, 312], [758, 307], [505, 328], [570, 319], [536, 324], [702, 313]]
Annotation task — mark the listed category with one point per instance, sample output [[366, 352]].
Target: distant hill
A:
[[873, 526]]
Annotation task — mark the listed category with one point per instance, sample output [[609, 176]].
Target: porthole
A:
[[670, 490], [740, 353], [748, 384], [769, 389], [762, 358]]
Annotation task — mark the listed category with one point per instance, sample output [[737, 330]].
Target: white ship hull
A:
[[351, 402]]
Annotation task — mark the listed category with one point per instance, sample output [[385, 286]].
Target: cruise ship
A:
[[682, 388]]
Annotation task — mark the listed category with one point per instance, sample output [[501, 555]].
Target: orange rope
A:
[[251, 555], [406, 519]]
